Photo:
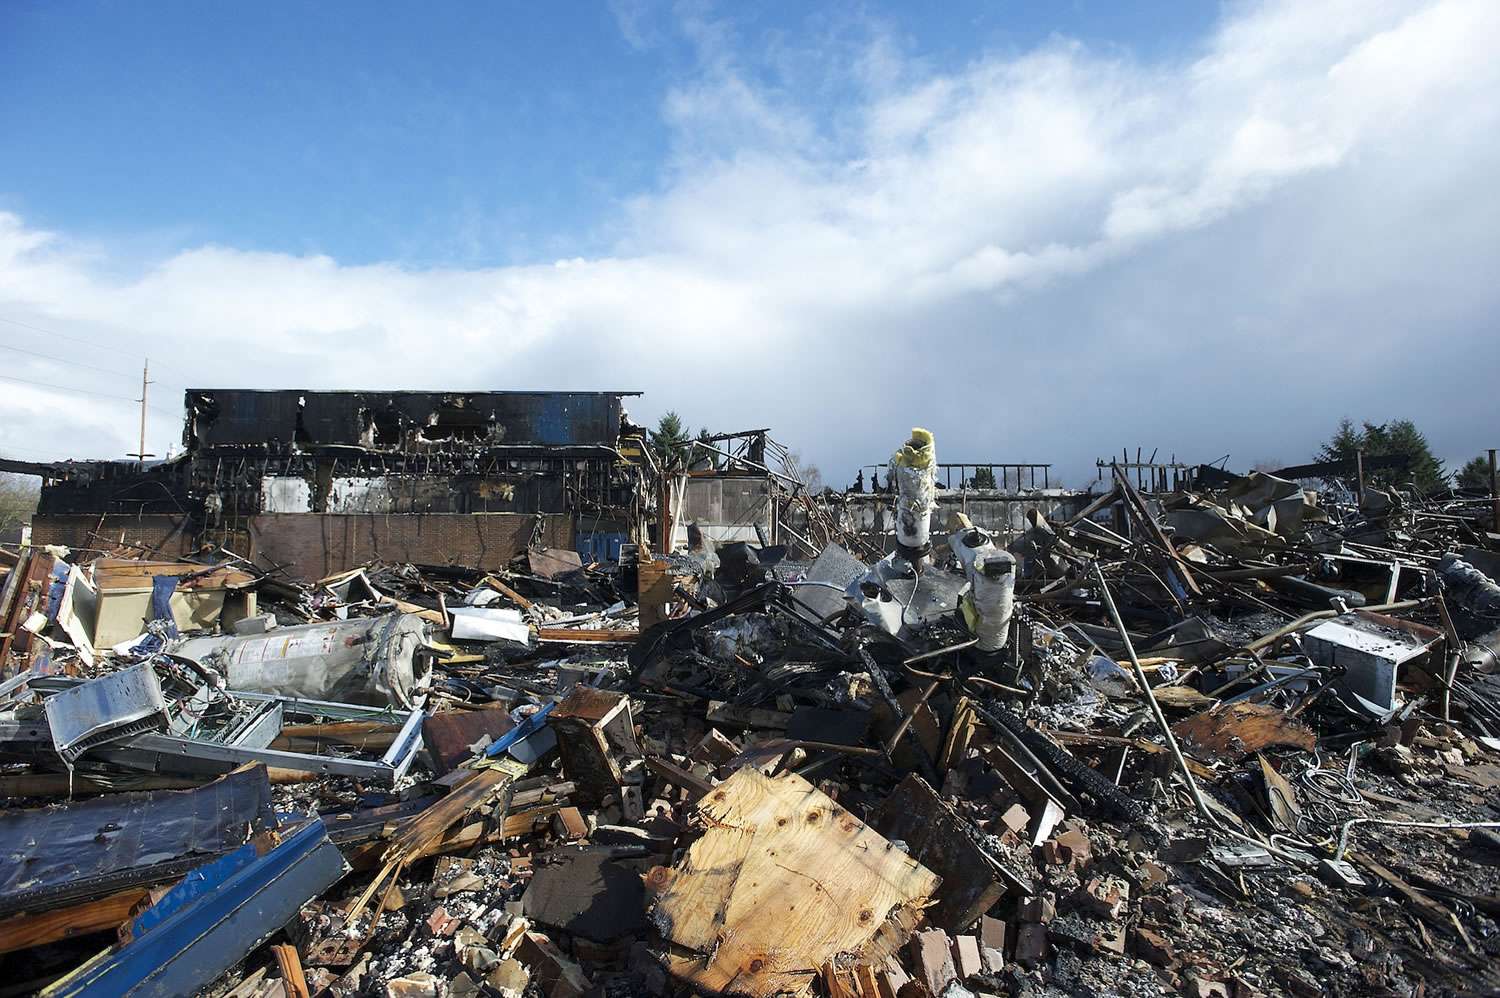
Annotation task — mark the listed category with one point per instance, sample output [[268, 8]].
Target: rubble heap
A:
[[1228, 743]]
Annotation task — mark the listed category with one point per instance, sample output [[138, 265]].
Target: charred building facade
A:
[[314, 481]]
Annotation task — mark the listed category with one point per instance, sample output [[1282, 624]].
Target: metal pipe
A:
[[1344, 830], [1012, 690], [936, 652], [1259, 667], [910, 717], [1145, 684], [1274, 636], [1494, 494]]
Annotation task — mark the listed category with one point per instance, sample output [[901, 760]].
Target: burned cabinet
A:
[[600, 754]]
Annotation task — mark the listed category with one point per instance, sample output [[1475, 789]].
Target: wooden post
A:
[[1359, 472], [664, 542], [290, 965], [145, 367], [141, 455]]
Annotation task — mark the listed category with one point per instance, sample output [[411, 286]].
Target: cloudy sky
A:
[[1044, 231]]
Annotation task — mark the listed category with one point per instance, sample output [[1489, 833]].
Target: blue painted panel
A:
[[600, 547], [213, 919]]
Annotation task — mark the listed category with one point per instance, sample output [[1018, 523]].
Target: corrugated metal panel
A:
[[63, 854]]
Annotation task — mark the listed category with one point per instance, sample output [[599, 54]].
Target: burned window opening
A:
[[456, 423], [387, 424]]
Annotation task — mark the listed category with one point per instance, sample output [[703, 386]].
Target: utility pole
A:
[[1494, 495], [141, 455]]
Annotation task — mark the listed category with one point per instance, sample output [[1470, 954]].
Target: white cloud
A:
[[1042, 257]]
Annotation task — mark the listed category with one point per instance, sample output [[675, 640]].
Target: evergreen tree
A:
[[665, 438], [1475, 474], [1400, 436], [706, 453]]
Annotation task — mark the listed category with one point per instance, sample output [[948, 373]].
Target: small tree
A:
[[1475, 474], [18, 499], [806, 473], [984, 478], [1378, 440], [669, 433]]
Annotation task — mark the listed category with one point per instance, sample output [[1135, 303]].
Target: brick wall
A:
[[157, 535], [311, 545]]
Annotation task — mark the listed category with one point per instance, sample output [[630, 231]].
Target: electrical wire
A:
[[66, 388], [97, 346], [64, 360], [1330, 785], [85, 391]]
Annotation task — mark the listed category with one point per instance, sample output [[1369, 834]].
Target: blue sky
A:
[[449, 132], [465, 133], [1044, 230]]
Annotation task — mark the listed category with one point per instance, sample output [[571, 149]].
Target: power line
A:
[[66, 388], [6, 449], [63, 360], [99, 346]]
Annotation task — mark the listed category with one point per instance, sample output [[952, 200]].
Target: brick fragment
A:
[[966, 961], [932, 959]]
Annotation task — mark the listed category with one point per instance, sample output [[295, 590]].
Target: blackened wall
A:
[[400, 421]]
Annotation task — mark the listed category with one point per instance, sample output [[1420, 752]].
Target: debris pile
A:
[[1230, 743]]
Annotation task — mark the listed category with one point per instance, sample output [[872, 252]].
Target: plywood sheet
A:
[[782, 880]]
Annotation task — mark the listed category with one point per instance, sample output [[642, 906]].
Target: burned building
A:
[[313, 481]]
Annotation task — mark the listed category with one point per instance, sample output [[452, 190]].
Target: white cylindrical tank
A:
[[368, 660]]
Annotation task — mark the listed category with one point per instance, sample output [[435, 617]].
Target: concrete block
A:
[[1153, 947], [509, 978], [443, 924], [1074, 847]]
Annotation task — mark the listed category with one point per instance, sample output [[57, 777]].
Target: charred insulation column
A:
[[988, 607], [914, 467], [992, 585]]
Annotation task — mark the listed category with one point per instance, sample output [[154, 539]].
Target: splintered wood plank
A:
[[413, 837], [782, 881], [26, 930], [466, 796]]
